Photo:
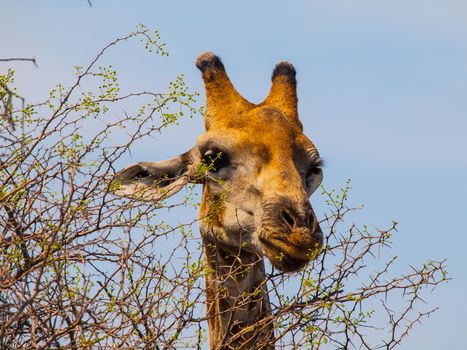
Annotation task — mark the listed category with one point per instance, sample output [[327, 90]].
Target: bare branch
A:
[[33, 60]]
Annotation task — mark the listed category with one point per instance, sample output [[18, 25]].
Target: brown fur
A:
[[254, 204]]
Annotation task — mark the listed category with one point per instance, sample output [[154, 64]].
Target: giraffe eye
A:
[[313, 171], [314, 177], [215, 160]]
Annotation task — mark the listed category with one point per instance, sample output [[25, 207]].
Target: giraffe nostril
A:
[[311, 220], [288, 218]]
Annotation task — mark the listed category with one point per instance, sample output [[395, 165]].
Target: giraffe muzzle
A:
[[291, 238]]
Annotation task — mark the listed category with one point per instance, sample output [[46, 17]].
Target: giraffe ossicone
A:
[[259, 172]]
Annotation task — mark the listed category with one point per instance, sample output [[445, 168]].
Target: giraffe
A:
[[255, 202]]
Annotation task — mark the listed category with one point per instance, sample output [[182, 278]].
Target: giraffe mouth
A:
[[280, 258]]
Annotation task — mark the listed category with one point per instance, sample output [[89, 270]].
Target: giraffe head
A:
[[257, 167]]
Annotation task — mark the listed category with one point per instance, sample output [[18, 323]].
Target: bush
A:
[[81, 268]]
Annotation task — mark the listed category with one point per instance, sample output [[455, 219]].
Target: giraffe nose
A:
[[288, 218], [293, 219], [311, 219]]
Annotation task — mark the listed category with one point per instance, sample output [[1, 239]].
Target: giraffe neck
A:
[[238, 308]]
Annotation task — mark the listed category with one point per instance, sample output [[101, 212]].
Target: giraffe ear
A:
[[154, 181]]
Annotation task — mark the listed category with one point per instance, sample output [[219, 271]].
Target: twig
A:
[[33, 60]]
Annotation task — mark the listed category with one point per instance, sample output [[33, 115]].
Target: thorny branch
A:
[[33, 60], [6, 96]]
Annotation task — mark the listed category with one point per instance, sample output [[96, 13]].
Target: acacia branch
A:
[[33, 60]]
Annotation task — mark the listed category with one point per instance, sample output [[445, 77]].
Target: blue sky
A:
[[382, 89]]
